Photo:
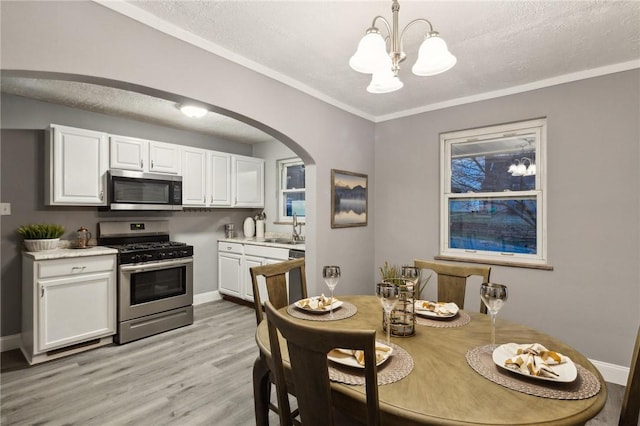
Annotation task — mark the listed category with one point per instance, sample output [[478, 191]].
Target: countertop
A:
[[64, 253], [256, 242]]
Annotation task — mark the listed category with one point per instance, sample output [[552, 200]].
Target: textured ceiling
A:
[[500, 45]]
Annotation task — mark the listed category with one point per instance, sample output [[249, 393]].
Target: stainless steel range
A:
[[155, 278]]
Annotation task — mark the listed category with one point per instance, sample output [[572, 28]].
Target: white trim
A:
[[161, 25], [153, 21], [210, 296], [612, 373], [8, 343]]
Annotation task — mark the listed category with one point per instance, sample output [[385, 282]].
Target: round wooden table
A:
[[443, 389]]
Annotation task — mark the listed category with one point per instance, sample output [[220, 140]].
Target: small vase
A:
[[41, 245]]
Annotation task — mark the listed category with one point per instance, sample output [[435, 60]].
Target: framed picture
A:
[[348, 199]]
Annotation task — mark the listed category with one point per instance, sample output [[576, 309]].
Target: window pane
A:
[[500, 225], [483, 166], [294, 203], [294, 177]]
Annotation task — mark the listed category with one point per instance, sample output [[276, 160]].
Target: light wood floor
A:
[[196, 375]]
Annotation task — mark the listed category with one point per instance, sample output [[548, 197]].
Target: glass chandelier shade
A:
[[433, 57], [384, 81], [371, 54]]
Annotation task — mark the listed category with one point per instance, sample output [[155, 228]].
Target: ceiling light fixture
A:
[[372, 57], [193, 111]]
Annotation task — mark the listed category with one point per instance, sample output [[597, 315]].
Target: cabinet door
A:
[[194, 166], [219, 179], [229, 274], [76, 309], [164, 157], [250, 262], [128, 153], [77, 161], [248, 176]]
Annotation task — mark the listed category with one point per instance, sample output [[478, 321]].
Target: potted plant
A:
[[38, 237]]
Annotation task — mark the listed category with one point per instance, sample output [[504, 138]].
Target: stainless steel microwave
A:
[[129, 190]]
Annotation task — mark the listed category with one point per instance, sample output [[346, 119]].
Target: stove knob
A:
[[148, 257], [185, 252], [163, 255], [135, 258]]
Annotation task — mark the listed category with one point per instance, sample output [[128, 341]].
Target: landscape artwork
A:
[[348, 199]]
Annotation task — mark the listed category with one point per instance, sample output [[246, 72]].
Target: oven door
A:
[[150, 288]]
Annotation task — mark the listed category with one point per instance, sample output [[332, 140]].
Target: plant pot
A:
[[41, 245]]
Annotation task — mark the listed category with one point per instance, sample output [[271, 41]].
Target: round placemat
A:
[[345, 311], [397, 367], [584, 386], [459, 320]]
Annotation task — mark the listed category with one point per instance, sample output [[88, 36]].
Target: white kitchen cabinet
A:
[[143, 155], [219, 179], [234, 263], [194, 177], [68, 305], [248, 181], [230, 277], [164, 157], [76, 163], [128, 153]]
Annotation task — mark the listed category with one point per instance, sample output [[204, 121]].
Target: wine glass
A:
[[388, 295], [493, 296], [331, 275]]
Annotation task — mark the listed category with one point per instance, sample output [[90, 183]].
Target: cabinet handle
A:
[[41, 291], [152, 164], [141, 163], [102, 195], [211, 198], [78, 268]]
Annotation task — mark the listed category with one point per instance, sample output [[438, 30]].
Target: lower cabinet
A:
[[234, 262], [69, 305]]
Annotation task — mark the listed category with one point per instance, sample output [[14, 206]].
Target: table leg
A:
[[261, 391]]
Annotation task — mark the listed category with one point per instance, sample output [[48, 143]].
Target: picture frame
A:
[[349, 199]]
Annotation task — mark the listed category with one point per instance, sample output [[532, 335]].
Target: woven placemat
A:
[[397, 367], [345, 311], [585, 386], [459, 320]]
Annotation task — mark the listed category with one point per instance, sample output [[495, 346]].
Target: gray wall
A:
[[591, 299], [79, 38]]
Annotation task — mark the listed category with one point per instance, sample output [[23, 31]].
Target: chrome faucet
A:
[[295, 236]]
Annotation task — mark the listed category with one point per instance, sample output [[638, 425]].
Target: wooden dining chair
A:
[[452, 280], [631, 401], [308, 348], [275, 276]]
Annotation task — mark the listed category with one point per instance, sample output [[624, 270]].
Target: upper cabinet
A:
[[76, 162], [146, 156], [219, 179], [248, 173], [194, 178]]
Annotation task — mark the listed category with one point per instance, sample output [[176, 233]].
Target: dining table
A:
[[452, 380]]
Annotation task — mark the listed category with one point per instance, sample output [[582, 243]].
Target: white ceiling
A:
[[502, 47]]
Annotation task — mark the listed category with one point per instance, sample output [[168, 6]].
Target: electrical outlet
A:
[[5, 209]]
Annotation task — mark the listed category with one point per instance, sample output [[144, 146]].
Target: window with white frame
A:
[[493, 192], [291, 193]]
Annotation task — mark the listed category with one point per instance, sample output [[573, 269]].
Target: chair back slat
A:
[[307, 348], [452, 280], [631, 402]]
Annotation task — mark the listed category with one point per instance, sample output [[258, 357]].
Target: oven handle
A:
[[165, 264]]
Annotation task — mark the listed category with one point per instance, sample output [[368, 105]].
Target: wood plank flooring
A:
[[195, 375]]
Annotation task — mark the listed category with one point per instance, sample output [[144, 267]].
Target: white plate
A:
[[452, 307], [566, 371], [342, 356], [314, 302]]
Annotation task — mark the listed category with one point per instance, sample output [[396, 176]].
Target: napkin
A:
[[317, 303], [439, 308], [533, 359], [381, 353]]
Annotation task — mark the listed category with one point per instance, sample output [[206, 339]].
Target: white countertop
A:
[[256, 242], [63, 253]]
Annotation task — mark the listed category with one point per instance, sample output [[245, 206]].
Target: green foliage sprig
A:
[[391, 273], [41, 231]]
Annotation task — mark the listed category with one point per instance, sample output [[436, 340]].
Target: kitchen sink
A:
[[283, 241]]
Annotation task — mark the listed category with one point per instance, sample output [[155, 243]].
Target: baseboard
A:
[[612, 373], [210, 296], [9, 343]]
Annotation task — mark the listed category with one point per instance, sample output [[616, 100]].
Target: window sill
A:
[[496, 262]]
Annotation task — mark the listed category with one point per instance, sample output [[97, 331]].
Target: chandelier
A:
[[372, 57], [519, 168]]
